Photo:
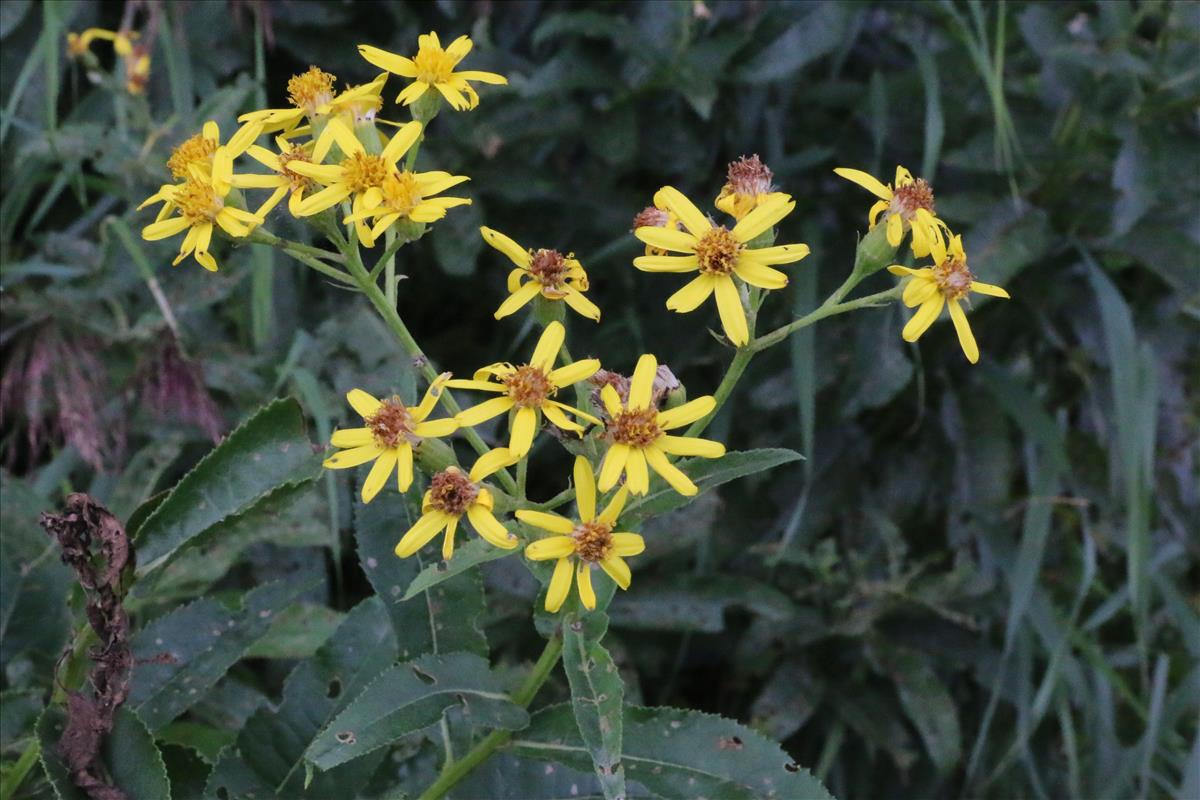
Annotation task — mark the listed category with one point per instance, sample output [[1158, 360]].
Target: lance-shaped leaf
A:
[[182, 654], [445, 617], [596, 697], [267, 451], [412, 696], [706, 473], [470, 554], [678, 753], [267, 760]]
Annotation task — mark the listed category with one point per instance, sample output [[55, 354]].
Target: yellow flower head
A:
[[719, 254], [545, 272], [379, 188], [529, 388], [588, 542], [909, 205], [391, 432], [948, 282], [638, 434], [194, 157], [285, 181], [312, 96], [452, 494], [201, 204], [137, 69], [747, 186], [434, 67]]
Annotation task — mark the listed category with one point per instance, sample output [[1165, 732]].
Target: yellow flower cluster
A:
[[134, 56], [909, 206], [328, 151]]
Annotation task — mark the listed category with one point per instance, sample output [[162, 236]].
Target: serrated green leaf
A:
[[597, 695], [129, 752], [267, 760], [297, 632], [182, 654], [412, 696], [444, 618], [706, 473], [267, 451], [679, 753], [466, 556]]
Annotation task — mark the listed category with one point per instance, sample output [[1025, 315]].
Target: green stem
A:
[[831, 307], [497, 739], [15, 776], [522, 474], [392, 319], [301, 253], [389, 267]]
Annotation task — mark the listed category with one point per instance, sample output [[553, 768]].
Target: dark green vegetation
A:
[[981, 582]]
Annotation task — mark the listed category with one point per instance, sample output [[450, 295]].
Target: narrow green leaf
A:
[[267, 760], [442, 619], [129, 752], [267, 451], [412, 696], [707, 473], [597, 694], [818, 34], [182, 654], [468, 555], [679, 753], [926, 701]]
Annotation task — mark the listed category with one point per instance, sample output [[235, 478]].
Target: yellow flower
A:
[[201, 205], [747, 186], [910, 205], [638, 432], [79, 43], [434, 67], [948, 282], [311, 95], [409, 195], [193, 158], [656, 216], [360, 174], [137, 69], [285, 180], [392, 431], [719, 254], [545, 272], [589, 542], [529, 389], [452, 494]]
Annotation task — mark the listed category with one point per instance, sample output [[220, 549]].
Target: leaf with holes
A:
[[180, 655], [267, 760], [707, 473], [412, 696], [596, 697], [267, 451], [445, 617], [129, 753], [468, 555], [678, 753]]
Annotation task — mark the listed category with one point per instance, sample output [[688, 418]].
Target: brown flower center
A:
[[651, 217], [194, 151], [749, 176], [310, 90], [635, 427], [452, 492], [529, 386], [910, 197], [198, 202], [718, 251], [392, 424], [549, 267], [297, 180], [953, 278], [593, 540], [363, 170]]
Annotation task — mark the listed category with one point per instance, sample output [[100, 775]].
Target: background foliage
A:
[[981, 582]]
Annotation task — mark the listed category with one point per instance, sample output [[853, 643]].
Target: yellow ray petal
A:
[[583, 580], [685, 209], [560, 585], [474, 415], [692, 294], [352, 437], [490, 528], [547, 521], [641, 386], [867, 181], [667, 238], [424, 529], [687, 413], [365, 404], [380, 472], [524, 427], [681, 483], [517, 299], [550, 547], [690, 446], [963, 328], [612, 466], [924, 317], [763, 218], [618, 570], [667, 263], [352, 457], [627, 544], [550, 342], [729, 306]]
